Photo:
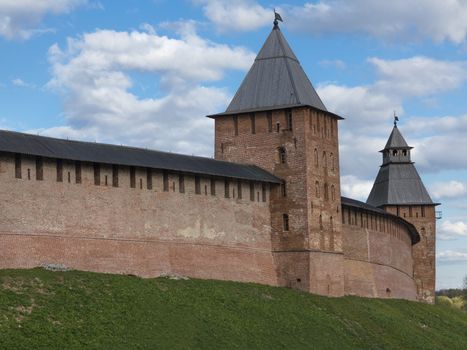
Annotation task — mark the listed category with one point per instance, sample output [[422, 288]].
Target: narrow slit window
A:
[[239, 190], [165, 181], [326, 191], [235, 122], [285, 222], [288, 118], [252, 191], [115, 175], [284, 189], [324, 160], [29, 174], [423, 211], [140, 184], [278, 127], [253, 123], [226, 189], [59, 170], [18, 166], [316, 157], [213, 187], [181, 183], [39, 169], [149, 178], [97, 174], [269, 118], [132, 177], [78, 178], [69, 178], [106, 180], [205, 190], [282, 155], [197, 185]]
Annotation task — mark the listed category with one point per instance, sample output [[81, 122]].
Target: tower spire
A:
[[396, 119], [277, 18]]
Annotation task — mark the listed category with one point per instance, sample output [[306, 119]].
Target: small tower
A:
[[277, 121], [398, 189]]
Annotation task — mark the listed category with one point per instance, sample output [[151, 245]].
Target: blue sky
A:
[[146, 73]]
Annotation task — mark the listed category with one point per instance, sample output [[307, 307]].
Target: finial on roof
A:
[[277, 18], [396, 119]]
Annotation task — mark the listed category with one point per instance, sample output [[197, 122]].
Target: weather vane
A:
[[396, 119], [277, 18]]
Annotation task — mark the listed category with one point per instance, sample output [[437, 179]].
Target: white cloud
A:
[[20, 18], [335, 64], [238, 15], [21, 83], [451, 189], [353, 187], [94, 74], [450, 256], [452, 230], [396, 19]]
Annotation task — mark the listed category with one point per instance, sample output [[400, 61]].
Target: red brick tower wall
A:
[[424, 252], [309, 253]]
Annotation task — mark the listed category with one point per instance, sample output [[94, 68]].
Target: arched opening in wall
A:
[[285, 222], [29, 174], [317, 189], [394, 152], [239, 190], [282, 155], [18, 166], [388, 292], [404, 152], [140, 184], [181, 183], [326, 191], [278, 127], [324, 160], [321, 227], [316, 158], [59, 170]]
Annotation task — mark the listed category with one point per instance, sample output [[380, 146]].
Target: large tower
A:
[[277, 121], [398, 189]]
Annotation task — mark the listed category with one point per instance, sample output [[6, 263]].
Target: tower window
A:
[[326, 191], [404, 152], [105, 179], [284, 189], [278, 127], [198, 185], [132, 177], [321, 222], [165, 180], [285, 221], [324, 160], [18, 166], [235, 121], [115, 175], [332, 161], [69, 178], [316, 157], [181, 183], [59, 170], [282, 155], [394, 152], [97, 174], [423, 211], [269, 118], [29, 174], [253, 123], [39, 169], [78, 172], [140, 183], [288, 118]]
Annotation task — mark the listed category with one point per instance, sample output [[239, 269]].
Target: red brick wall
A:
[[132, 230]]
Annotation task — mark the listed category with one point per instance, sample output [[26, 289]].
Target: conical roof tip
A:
[[276, 80], [396, 140]]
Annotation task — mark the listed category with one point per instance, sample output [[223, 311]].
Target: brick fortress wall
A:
[[143, 230]]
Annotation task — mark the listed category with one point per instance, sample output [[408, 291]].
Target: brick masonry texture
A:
[[298, 235]]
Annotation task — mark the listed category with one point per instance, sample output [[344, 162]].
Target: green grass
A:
[[81, 310]]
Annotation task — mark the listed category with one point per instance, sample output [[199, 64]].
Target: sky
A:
[[147, 72]]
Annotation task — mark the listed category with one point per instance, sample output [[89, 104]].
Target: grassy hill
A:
[[81, 310]]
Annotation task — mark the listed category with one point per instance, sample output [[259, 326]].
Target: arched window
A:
[[321, 222], [285, 221], [326, 191], [404, 152], [394, 152], [331, 158], [331, 223], [316, 158], [324, 160], [282, 155], [317, 189], [333, 193]]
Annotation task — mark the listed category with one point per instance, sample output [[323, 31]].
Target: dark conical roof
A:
[[396, 140], [276, 80], [398, 182]]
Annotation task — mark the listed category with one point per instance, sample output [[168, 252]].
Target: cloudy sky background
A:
[[145, 73]]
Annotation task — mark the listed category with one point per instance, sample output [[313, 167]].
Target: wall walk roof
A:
[[396, 140], [276, 80], [15, 142], [365, 206], [398, 182]]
